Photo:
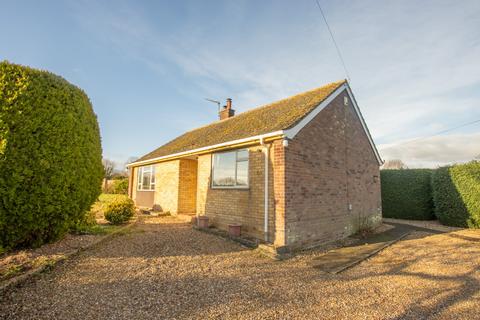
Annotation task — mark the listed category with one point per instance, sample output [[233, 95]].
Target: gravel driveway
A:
[[163, 269]]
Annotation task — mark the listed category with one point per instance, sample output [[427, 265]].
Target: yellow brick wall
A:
[[167, 185], [175, 187], [244, 206], [187, 191]]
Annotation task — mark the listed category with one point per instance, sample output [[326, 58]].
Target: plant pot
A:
[[235, 230], [202, 222], [194, 221]]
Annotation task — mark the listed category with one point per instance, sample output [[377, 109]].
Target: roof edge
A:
[[364, 125], [292, 132], [275, 134]]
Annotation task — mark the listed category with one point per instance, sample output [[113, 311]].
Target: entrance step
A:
[[186, 217]]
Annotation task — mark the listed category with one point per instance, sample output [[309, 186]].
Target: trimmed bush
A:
[[456, 193], [119, 211], [50, 156], [407, 194], [120, 186]]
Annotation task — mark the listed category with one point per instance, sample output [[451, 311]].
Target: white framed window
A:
[[230, 169], [146, 178]]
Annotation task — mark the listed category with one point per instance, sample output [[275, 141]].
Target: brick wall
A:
[[187, 190], [279, 193], [167, 185], [244, 206], [175, 187], [329, 165]]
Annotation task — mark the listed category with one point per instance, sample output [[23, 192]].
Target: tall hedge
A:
[[407, 194], [456, 192], [50, 155]]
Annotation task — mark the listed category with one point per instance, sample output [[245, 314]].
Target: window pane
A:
[[242, 154], [153, 175], [139, 178], [224, 169], [242, 173], [146, 180]]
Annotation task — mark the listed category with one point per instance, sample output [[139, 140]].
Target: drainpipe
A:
[[266, 149]]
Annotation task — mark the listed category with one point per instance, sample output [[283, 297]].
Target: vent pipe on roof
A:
[[227, 111]]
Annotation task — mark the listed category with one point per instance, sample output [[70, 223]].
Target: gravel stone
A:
[[163, 269]]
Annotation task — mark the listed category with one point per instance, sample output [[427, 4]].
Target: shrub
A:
[[89, 219], [456, 193], [407, 194], [119, 211], [50, 156], [120, 186]]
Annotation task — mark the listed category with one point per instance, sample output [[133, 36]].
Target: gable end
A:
[[292, 132]]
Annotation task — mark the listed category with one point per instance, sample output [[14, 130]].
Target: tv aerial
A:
[[214, 101]]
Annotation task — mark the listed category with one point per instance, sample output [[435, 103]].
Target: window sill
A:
[[145, 190], [229, 188]]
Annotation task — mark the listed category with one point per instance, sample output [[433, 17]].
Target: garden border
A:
[[20, 279]]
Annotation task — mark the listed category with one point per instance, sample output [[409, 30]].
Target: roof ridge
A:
[[271, 117], [339, 83]]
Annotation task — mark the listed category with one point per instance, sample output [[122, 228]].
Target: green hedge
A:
[[50, 156], [456, 192], [407, 194]]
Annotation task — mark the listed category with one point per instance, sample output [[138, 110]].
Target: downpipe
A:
[[266, 150]]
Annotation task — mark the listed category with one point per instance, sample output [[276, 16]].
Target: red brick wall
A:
[[329, 165]]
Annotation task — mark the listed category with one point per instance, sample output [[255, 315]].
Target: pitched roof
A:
[[279, 115]]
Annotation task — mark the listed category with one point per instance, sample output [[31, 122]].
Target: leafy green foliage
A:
[[456, 192], [407, 194], [119, 211], [50, 156], [120, 186]]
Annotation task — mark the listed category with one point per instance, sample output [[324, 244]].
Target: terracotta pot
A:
[[234, 230], [202, 222]]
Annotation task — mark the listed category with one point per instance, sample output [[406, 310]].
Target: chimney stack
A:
[[227, 111]]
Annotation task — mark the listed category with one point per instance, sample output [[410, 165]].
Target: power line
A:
[[333, 40], [436, 134]]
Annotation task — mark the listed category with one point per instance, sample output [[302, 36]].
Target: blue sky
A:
[[148, 65]]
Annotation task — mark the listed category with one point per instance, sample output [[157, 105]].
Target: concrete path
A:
[[338, 260]]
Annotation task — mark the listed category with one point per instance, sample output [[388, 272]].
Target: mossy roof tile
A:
[[279, 115]]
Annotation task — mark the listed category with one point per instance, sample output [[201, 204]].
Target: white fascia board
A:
[[292, 132], [194, 151]]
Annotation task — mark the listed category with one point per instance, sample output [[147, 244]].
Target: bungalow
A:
[[297, 172]]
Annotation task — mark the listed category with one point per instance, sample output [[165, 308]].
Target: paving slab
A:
[[338, 260]]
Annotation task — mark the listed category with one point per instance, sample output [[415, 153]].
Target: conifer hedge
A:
[[50, 156], [456, 192], [407, 194]]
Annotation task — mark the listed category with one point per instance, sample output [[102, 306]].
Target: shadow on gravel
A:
[[455, 275]]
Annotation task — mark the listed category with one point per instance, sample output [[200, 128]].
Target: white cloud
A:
[[434, 151], [408, 60]]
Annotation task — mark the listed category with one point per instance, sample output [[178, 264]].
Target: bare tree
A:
[[129, 160], [108, 169], [394, 164]]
